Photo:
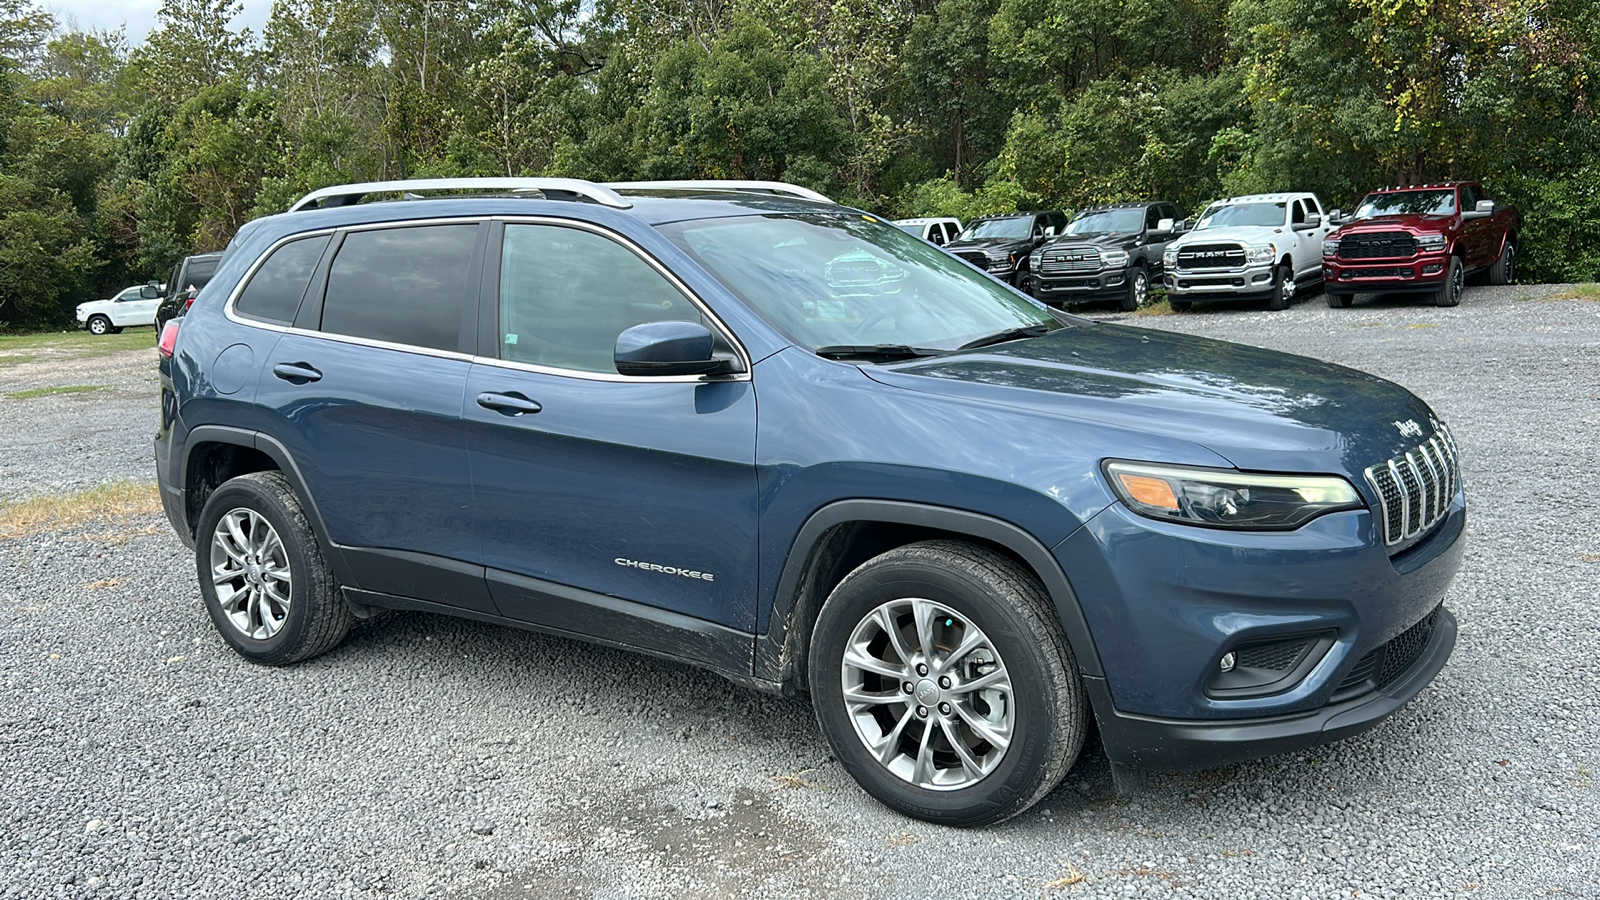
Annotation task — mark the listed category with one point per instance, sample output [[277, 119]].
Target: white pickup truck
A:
[[1262, 246]]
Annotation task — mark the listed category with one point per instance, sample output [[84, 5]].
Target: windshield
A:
[[910, 229], [1015, 227], [1416, 203], [1108, 221], [826, 280], [1260, 215]]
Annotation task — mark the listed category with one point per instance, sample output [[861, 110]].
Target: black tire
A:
[[100, 325], [1282, 288], [1138, 289], [1340, 301], [1455, 284], [1504, 270], [1023, 282], [317, 617], [994, 598], [1179, 305]]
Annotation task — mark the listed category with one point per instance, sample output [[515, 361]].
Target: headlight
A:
[[1330, 248], [1035, 258], [1113, 259], [1169, 256], [997, 255], [1430, 243], [1263, 254], [1221, 498]]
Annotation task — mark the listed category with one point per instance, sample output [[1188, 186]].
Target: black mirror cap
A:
[[668, 348]]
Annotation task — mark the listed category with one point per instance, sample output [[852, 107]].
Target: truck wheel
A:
[[1138, 290], [944, 684], [1455, 284], [1504, 270], [1340, 301], [1282, 289], [1024, 283], [262, 574], [100, 325]]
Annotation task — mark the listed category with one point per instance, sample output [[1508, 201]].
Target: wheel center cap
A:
[[927, 692], [255, 572]]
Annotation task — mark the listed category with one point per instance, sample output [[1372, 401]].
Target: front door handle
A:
[[511, 404], [296, 373]]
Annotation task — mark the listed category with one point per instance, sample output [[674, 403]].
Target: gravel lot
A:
[[139, 757]]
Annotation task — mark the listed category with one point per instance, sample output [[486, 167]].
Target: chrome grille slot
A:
[[1415, 488], [1069, 260], [1211, 256], [1381, 245]]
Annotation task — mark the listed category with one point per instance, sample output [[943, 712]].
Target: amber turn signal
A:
[[1150, 491]]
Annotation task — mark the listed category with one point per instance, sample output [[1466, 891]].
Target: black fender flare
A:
[[776, 660], [278, 453]]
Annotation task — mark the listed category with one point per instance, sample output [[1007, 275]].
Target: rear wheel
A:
[[264, 580], [1283, 288], [1455, 284], [1504, 270], [1138, 290], [944, 684]]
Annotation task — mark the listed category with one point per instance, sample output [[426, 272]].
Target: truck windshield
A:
[[1016, 227], [1408, 203], [826, 280], [1107, 221], [1260, 215]]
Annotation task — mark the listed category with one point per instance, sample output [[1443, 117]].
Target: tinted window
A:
[[200, 272], [1152, 217], [274, 291], [1297, 213], [402, 285], [1469, 198], [565, 295]]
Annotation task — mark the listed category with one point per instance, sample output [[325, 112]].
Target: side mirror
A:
[[1484, 208], [1335, 216], [667, 348], [1313, 220], [149, 292], [1050, 231], [936, 237], [1165, 226]]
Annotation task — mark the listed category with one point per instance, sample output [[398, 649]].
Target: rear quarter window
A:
[[274, 292]]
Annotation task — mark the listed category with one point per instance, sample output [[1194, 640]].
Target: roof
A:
[[1266, 198], [925, 220], [1130, 204], [1439, 186]]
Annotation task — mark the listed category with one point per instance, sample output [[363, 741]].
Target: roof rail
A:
[[759, 187], [350, 194]]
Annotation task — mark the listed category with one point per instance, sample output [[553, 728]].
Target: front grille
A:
[[978, 259], [1069, 260], [1276, 657], [1211, 256], [1378, 245], [1387, 662], [1415, 488]]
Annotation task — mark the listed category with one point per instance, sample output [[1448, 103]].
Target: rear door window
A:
[[401, 285], [275, 290]]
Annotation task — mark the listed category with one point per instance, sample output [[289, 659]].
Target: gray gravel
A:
[[435, 757]]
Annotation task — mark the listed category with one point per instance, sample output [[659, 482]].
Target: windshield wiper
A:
[[873, 351], [1010, 334]]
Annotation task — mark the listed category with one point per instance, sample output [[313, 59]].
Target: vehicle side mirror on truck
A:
[[1165, 226]]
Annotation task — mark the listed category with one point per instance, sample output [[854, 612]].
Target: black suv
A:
[[970, 526], [190, 275], [1000, 245], [1106, 253]]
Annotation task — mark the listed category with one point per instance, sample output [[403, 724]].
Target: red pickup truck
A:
[[1422, 239]]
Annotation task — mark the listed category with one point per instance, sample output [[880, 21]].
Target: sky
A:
[[138, 15]]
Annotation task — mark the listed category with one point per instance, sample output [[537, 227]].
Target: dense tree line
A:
[[115, 160]]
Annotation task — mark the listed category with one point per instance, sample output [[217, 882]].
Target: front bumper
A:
[[1244, 282], [1424, 272], [1107, 284], [1169, 745]]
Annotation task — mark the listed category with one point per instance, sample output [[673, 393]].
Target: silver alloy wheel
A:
[[1510, 269], [1141, 287], [928, 695], [1288, 285], [250, 572], [99, 325]]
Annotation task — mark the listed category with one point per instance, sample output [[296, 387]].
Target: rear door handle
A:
[[512, 404], [296, 373]]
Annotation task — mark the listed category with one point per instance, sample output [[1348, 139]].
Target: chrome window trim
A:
[[671, 277]]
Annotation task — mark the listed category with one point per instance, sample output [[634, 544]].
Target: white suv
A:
[[133, 306], [1248, 248]]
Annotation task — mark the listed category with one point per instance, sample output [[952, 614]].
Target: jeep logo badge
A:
[[1409, 428]]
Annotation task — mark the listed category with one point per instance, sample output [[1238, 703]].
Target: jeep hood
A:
[[1260, 409]]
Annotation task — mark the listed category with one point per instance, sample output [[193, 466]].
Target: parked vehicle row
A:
[[971, 527], [1424, 239]]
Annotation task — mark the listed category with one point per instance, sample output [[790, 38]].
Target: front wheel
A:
[[1455, 284], [1283, 289], [100, 325], [943, 682], [1138, 290], [264, 580]]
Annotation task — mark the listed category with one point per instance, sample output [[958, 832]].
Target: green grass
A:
[[16, 359], [1155, 308], [108, 502], [74, 344], [54, 391], [1589, 291]]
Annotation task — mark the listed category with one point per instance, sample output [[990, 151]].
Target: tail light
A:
[[169, 339]]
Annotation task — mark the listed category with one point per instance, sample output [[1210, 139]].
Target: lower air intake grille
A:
[[1387, 662]]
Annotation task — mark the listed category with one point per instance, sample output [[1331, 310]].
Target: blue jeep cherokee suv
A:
[[733, 424]]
